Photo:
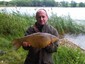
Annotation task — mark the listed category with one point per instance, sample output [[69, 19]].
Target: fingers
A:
[[26, 44]]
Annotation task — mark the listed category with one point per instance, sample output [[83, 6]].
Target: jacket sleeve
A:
[[52, 48]]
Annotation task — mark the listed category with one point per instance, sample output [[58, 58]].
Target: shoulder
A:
[[50, 27], [52, 30], [30, 30]]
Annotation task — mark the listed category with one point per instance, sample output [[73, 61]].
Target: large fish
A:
[[37, 40]]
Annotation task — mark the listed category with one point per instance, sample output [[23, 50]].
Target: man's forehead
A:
[[41, 10]]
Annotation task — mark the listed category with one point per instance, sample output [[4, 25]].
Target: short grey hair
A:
[[43, 10]]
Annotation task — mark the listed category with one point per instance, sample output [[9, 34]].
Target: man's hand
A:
[[26, 44]]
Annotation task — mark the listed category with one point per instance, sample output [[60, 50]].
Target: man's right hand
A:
[[25, 44]]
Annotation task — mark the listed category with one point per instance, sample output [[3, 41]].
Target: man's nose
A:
[[41, 18]]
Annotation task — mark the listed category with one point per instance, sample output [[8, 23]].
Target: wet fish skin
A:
[[37, 40]]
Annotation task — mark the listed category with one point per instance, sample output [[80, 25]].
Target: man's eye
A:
[[38, 17], [43, 16]]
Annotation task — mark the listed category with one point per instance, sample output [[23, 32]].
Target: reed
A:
[[14, 24], [66, 25]]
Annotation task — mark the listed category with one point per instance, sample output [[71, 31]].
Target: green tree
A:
[[64, 4], [49, 3], [81, 4], [20, 2], [33, 2], [57, 4], [73, 4]]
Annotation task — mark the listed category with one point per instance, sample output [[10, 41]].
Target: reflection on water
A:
[[78, 40]]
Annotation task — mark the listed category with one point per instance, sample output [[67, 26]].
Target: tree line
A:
[[41, 3]]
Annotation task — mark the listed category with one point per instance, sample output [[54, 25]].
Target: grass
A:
[[66, 25], [67, 55], [14, 26], [9, 23]]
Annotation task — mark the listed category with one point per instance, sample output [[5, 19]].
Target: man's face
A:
[[41, 17]]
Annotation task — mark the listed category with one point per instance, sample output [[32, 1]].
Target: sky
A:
[[71, 0], [59, 0]]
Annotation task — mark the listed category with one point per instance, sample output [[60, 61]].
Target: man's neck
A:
[[39, 26]]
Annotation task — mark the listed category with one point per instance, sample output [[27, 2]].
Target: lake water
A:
[[75, 13], [78, 40]]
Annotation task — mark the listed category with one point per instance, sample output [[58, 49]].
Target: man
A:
[[44, 55]]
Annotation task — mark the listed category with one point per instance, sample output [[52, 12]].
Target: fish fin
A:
[[16, 44]]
